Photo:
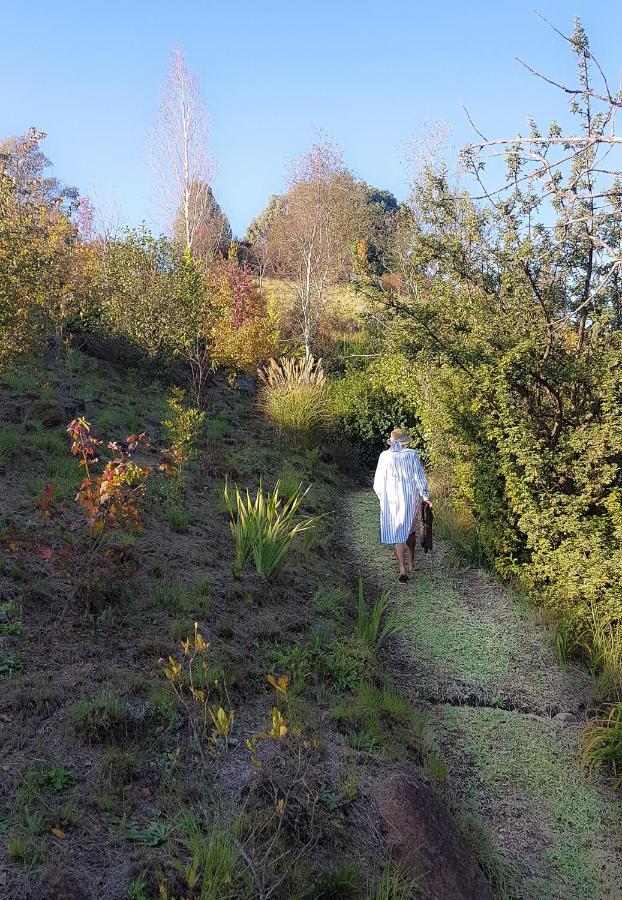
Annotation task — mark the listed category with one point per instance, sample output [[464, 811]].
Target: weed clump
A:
[[105, 717]]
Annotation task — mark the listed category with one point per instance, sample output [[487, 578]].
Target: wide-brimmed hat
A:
[[398, 434]]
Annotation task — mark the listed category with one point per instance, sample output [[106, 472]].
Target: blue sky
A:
[[272, 74]]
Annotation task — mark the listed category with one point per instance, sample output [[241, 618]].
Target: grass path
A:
[[508, 717]]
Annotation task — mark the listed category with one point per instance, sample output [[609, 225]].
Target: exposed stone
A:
[[566, 717], [423, 836]]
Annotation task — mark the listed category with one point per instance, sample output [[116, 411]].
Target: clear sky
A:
[[272, 73]]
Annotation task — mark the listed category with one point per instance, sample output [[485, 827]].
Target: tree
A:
[[311, 238], [212, 233], [25, 164], [258, 234], [38, 262], [178, 154], [511, 308], [379, 216]]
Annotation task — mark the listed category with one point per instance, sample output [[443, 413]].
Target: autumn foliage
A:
[[109, 498], [242, 333]]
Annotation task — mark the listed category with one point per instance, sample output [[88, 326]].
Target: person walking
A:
[[400, 485]]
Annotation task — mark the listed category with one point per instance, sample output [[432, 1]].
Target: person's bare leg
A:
[[400, 552], [411, 544]]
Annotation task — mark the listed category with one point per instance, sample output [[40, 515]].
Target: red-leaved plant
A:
[[110, 496]]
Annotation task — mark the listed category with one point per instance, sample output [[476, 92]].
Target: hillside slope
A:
[[112, 787]]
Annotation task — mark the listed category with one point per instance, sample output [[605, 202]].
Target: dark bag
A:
[[426, 530], [427, 519]]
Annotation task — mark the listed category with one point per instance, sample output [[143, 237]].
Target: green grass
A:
[[603, 742], [105, 717], [108, 718], [178, 518], [495, 652], [178, 598], [454, 522], [333, 601], [212, 862], [540, 826], [393, 883], [10, 443], [504, 761], [27, 381], [65, 475], [290, 480], [50, 443], [217, 429], [374, 703], [37, 807]]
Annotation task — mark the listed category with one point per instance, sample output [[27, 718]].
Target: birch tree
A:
[[178, 153], [311, 239]]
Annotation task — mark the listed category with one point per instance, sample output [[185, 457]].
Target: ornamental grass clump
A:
[[603, 742], [296, 397], [264, 527]]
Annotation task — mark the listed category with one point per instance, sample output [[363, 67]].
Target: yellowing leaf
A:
[[58, 832], [199, 643], [279, 728], [279, 683], [174, 670]]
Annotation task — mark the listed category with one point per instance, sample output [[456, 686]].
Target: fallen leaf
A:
[[59, 833]]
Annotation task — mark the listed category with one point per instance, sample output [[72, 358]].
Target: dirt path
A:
[[508, 717]]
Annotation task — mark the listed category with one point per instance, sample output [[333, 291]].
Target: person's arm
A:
[[379, 477], [420, 480]]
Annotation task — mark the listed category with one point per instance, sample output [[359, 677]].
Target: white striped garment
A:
[[399, 484]]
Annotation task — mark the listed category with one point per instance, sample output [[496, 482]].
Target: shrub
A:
[[243, 334], [140, 287], [183, 428], [265, 527], [39, 265], [375, 626], [371, 400], [296, 397]]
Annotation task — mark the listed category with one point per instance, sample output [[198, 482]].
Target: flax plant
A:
[[265, 526]]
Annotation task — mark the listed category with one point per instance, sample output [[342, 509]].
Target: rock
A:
[[564, 717], [49, 413], [424, 837]]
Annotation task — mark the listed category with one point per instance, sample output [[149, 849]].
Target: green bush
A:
[[370, 401]]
